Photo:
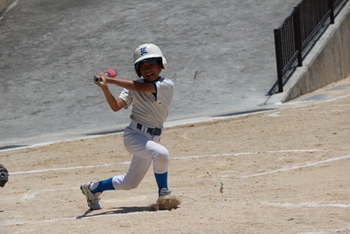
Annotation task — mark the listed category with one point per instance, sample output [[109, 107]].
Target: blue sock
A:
[[104, 185], [162, 180]]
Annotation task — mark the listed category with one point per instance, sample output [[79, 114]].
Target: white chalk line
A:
[[21, 222], [174, 158], [298, 166], [337, 98], [31, 193], [104, 214], [303, 104], [310, 205], [313, 205], [248, 153], [328, 231], [66, 168]]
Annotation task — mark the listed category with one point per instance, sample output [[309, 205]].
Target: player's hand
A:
[[103, 82]]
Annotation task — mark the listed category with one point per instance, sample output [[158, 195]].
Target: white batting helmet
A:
[[145, 52]]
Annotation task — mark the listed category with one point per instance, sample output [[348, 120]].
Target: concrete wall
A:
[[4, 4], [327, 62]]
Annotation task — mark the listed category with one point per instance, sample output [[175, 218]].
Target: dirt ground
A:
[[285, 170]]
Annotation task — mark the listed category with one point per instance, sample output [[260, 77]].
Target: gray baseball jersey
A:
[[150, 109]]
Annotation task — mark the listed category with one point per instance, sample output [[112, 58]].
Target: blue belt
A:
[[152, 131]]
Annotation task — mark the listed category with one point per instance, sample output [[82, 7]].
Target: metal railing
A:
[[297, 32]]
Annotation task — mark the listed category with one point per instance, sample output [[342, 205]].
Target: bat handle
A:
[[97, 79]]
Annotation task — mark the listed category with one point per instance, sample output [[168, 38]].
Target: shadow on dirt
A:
[[117, 210]]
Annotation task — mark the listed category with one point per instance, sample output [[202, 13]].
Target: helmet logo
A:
[[143, 51]]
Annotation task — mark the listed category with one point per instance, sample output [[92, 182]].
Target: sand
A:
[[285, 170]]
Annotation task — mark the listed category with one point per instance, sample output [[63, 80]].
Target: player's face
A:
[[150, 70]]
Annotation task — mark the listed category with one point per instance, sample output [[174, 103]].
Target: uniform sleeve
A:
[[126, 96], [165, 91]]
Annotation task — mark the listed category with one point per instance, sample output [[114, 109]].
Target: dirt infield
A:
[[283, 171]]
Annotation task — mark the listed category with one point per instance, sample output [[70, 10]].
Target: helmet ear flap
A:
[[162, 62], [137, 69]]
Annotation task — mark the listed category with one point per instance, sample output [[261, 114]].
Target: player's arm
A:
[[133, 85], [128, 84], [115, 104]]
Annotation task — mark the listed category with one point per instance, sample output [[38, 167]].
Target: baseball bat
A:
[[110, 73]]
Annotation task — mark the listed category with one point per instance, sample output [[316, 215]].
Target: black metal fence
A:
[[298, 31]]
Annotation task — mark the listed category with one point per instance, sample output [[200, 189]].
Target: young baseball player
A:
[[150, 97]]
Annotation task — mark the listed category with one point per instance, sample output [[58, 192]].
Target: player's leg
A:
[[135, 174], [137, 171], [161, 159], [149, 148], [147, 151]]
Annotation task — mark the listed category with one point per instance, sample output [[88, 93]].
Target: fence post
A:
[[279, 62], [297, 35], [331, 13]]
